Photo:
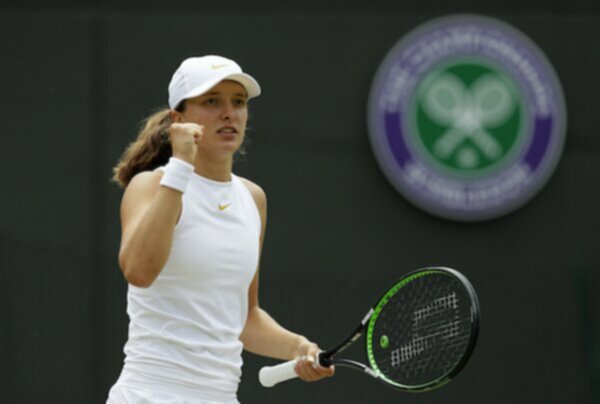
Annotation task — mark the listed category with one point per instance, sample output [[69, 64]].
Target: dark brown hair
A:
[[151, 148]]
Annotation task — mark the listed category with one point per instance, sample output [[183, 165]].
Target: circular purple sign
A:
[[467, 118]]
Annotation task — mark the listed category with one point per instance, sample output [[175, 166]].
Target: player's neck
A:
[[214, 169]]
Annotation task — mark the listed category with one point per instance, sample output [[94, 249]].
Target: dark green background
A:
[[78, 76]]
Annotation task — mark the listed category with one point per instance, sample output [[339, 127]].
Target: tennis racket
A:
[[419, 334]]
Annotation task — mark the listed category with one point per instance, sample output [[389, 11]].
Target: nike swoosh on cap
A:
[[215, 67]]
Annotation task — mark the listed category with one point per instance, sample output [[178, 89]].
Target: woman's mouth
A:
[[227, 132]]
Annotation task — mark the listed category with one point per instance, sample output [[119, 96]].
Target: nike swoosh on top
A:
[[215, 67]]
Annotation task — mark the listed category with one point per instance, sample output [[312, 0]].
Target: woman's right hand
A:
[[184, 139]]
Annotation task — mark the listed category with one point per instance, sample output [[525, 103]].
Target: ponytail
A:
[[150, 150]]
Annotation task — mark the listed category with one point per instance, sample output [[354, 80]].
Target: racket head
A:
[[423, 329]]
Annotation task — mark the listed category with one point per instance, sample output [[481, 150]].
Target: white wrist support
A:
[[177, 174]]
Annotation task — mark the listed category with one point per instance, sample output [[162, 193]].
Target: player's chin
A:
[[228, 148], [230, 144]]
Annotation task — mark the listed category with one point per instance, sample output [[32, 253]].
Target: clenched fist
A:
[[184, 139]]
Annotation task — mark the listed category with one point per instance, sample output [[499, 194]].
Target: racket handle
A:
[[269, 376]]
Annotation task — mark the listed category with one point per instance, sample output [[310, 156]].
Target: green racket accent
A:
[[380, 305], [384, 341]]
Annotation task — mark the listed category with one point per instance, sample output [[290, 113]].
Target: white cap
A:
[[197, 75]]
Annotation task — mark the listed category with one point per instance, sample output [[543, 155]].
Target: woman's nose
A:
[[229, 111]]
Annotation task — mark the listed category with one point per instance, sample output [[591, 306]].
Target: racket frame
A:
[[327, 358]]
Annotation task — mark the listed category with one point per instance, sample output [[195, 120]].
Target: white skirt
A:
[[129, 390]]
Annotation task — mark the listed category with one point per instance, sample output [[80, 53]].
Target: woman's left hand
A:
[[308, 367]]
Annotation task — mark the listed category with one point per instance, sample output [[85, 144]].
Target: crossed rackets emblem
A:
[[467, 113]]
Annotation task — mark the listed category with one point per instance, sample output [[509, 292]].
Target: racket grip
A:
[[269, 376]]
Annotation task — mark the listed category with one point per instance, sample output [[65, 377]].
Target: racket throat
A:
[[349, 363], [327, 361], [356, 334]]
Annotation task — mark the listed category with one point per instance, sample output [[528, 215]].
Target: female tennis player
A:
[[192, 233]]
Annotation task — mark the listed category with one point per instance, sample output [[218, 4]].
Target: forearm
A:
[[262, 335], [145, 251]]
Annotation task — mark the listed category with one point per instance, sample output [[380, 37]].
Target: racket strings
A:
[[421, 333]]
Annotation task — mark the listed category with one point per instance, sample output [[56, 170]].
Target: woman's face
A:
[[223, 110]]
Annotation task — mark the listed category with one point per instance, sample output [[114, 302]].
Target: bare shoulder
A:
[[257, 193], [143, 185]]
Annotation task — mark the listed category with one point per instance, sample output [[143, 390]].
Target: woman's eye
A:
[[211, 101], [239, 102]]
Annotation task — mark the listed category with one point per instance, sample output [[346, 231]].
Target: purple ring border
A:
[[392, 153]]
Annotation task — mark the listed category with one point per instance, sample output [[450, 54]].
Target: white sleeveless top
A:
[[184, 329]]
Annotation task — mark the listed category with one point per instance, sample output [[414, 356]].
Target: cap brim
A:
[[250, 84]]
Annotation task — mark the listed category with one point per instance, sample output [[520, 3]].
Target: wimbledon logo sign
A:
[[467, 118]]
